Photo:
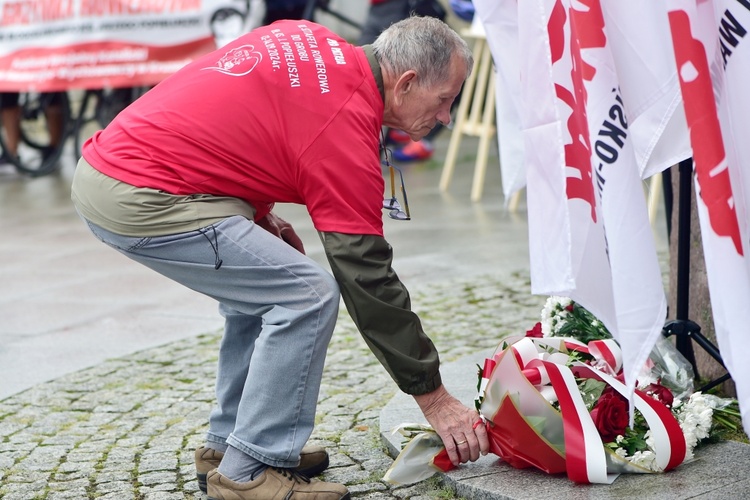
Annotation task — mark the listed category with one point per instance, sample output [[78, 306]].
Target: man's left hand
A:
[[461, 428], [281, 229]]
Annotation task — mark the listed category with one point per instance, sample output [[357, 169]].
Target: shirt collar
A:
[[377, 72]]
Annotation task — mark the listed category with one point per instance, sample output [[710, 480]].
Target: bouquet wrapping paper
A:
[[536, 415]]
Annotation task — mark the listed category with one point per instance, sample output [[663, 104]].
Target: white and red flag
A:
[[589, 234], [638, 37], [712, 50]]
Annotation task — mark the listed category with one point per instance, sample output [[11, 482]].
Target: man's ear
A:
[[404, 85]]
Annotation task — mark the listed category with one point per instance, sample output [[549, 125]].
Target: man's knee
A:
[[327, 289]]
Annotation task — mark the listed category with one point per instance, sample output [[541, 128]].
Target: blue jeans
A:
[[280, 308]]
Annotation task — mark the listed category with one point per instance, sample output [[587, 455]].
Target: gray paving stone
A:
[[163, 495], [22, 489], [117, 495], [359, 489], [347, 475], [77, 486], [115, 486], [71, 470], [157, 462]]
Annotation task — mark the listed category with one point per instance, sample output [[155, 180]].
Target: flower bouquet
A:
[[555, 400]]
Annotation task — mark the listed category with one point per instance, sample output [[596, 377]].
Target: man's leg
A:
[[240, 333], [10, 121], [259, 276], [54, 115], [235, 352]]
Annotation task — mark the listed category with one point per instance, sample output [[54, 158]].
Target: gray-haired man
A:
[[184, 181]]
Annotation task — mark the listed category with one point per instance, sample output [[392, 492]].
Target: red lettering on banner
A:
[[578, 152], [588, 27], [705, 130], [587, 31], [35, 11], [556, 31]]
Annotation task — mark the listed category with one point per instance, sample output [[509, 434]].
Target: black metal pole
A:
[[683, 328], [666, 187], [683, 343]]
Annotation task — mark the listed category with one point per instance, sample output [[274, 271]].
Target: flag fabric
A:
[[712, 52], [638, 37], [589, 234], [498, 20]]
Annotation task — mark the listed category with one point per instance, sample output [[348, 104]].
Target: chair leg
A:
[[486, 133], [460, 124]]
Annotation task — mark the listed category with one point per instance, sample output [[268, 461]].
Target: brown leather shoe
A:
[[312, 461], [274, 484]]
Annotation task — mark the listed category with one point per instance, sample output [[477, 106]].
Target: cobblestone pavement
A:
[[127, 428]]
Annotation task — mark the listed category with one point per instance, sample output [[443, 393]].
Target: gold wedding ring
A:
[[461, 442]]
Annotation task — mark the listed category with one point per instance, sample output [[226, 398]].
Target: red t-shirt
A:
[[289, 112]]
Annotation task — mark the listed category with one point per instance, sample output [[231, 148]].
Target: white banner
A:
[[590, 237], [50, 45], [712, 50]]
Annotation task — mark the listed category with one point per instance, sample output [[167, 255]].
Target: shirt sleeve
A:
[[380, 306]]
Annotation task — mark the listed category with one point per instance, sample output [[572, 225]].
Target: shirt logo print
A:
[[238, 61]]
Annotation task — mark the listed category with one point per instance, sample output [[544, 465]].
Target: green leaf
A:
[[591, 390]]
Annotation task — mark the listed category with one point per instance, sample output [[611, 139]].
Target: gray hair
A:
[[423, 44]]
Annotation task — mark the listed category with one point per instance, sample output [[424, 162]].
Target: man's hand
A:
[[461, 429], [281, 229]]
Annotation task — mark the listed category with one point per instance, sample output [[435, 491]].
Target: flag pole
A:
[[683, 328]]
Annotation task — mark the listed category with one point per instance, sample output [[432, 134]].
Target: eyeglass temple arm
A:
[[393, 180], [403, 193]]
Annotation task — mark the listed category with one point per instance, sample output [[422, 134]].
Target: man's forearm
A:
[[380, 306]]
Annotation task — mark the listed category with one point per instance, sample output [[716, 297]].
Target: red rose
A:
[[535, 332], [610, 415], [660, 393]]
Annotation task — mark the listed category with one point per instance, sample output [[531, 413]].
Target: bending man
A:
[[184, 181]]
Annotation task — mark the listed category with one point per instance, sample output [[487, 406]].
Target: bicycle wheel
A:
[[44, 128], [98, 108]]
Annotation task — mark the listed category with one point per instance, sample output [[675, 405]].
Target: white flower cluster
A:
[[695, 417], [645, 459], [553, 314]]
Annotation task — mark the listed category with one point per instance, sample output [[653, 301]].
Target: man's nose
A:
[[444, 117]]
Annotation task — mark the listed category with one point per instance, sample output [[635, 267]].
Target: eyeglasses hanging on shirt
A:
[[395, 211]]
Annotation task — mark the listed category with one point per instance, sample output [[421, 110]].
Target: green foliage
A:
[[576, 321]]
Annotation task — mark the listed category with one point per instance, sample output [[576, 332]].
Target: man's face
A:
[[419, 108]]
